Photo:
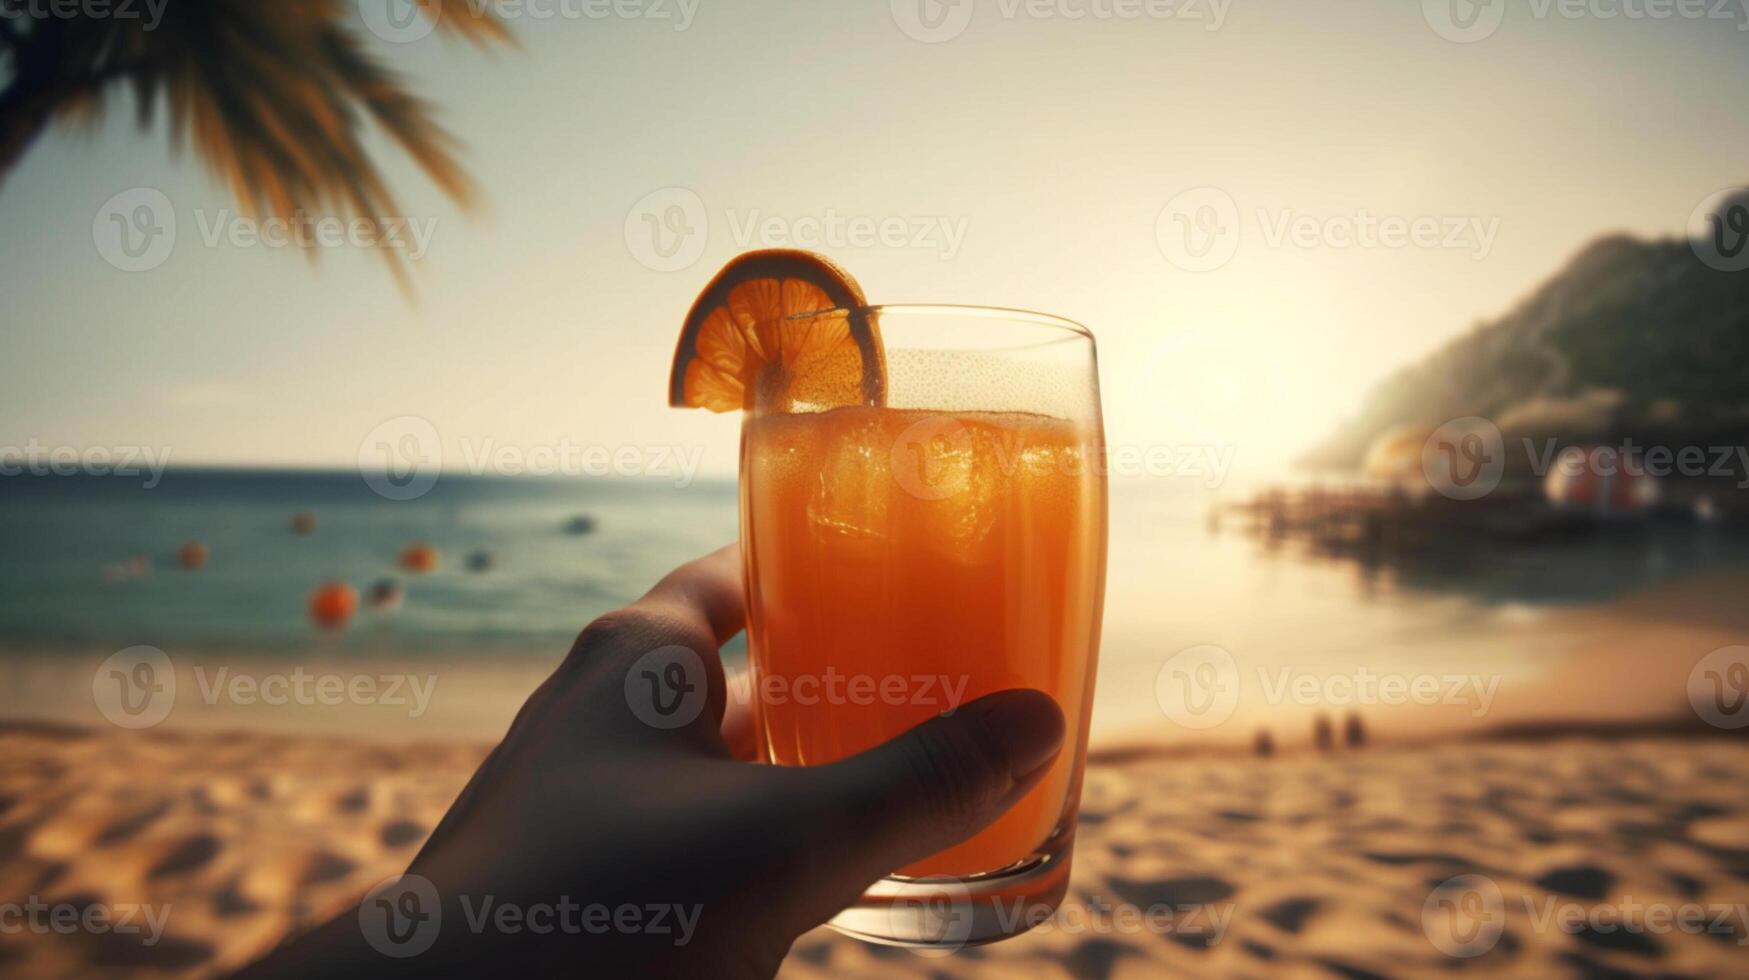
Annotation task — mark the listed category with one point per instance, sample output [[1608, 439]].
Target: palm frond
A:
[[274, 96]]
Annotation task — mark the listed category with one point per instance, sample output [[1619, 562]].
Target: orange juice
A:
[[904, 562]]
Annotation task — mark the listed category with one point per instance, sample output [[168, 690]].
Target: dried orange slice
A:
[[747, 339]]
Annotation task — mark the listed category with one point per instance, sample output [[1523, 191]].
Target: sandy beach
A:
[[1557, 821], [1207, 865]]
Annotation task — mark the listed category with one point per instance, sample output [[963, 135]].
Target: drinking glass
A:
[[907, 557]]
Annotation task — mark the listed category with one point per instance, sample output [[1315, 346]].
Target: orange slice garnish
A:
[[748, 339]]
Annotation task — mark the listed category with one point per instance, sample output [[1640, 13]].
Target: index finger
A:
[[709, 588]]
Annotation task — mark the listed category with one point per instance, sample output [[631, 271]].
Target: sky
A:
[[1052, 155]]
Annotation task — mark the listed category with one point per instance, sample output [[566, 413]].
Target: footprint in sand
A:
[[1291, 915], [191, 853], [1580, 881], [400, 833], [1093, 959]]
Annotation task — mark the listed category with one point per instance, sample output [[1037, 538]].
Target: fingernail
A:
[[1027, 724]]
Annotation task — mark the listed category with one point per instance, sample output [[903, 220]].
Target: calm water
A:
[[1172, 583], [60, 537]]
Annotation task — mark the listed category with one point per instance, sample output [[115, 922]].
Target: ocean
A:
[[89, 566]]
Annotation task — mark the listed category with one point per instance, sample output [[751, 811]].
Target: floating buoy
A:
[[419, 558], [581, 524], [332, 604], [481, 561], [193, 556], [385, 595], [303, 522]]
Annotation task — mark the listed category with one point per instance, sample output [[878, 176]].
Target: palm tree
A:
[[274, 95]]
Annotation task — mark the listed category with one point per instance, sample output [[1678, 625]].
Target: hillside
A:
[[1632, 339]]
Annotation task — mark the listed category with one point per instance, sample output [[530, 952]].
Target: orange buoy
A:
[[193, 556], [332, 604], [419, 558], [303, 522]]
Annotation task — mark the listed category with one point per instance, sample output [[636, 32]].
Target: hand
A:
[[586, 804]]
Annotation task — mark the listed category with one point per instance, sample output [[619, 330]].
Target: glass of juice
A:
[[906, 557]]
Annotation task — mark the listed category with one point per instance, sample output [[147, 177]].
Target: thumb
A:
[[940, 782]]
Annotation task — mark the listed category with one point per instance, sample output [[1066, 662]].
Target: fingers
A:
[[940, 782], [651, 669], [709, 588], [737, 724]]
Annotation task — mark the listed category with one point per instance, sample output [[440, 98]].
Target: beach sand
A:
[[1300, 865], [1594, 792]]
